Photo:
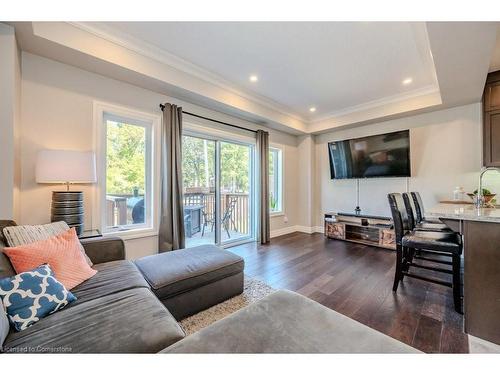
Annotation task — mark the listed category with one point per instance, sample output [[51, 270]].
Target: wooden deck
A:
[[209, 237], [356, 280]]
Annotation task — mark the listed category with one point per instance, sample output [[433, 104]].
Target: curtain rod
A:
[[213, 120]]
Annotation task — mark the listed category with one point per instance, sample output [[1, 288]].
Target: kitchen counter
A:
[[480, 229], [467, 212]]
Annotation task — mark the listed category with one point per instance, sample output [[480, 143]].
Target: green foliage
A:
[[198, 165], [273, 183], [125, 158], [485, 192], [235, 161], [273, 204], [194, 164]]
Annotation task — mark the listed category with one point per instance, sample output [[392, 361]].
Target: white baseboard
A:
[[319, 229], [283, 231], [296, 228], [304, 229]]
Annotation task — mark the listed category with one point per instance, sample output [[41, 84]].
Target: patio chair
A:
[[227, 218], [208, 218]]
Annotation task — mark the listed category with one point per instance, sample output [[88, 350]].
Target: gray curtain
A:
[[171, 232], [263, 155]]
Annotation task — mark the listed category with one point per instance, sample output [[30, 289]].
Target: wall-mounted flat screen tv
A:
[[383, 155]]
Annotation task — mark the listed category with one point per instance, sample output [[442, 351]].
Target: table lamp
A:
[[66, 167]]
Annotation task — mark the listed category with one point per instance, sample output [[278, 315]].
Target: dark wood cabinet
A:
[[491, 138], [482, 280], [491, 121], [492, 96]]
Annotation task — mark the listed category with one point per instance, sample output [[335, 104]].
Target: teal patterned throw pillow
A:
[[32, 295]]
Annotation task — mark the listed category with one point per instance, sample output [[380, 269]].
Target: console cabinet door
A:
[[491, 139], [335, 230], [388, 238]]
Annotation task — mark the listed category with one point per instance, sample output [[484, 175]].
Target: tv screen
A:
[[384, 155]]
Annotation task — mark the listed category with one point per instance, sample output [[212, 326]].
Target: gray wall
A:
[[10, 96]]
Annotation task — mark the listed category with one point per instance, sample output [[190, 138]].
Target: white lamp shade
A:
[[61, 166]]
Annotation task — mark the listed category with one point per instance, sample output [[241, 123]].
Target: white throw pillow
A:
[[25, 234]]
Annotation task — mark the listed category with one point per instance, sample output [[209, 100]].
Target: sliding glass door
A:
[[199, 176], [236, 167], [218, 190]]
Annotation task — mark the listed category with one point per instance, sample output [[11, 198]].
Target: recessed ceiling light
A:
[[253, 78], [407, 81], [312, 109]]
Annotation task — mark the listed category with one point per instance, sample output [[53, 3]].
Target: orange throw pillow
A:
[[61, 252]]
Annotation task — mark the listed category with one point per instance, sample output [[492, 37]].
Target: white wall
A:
[[10, 96], [57, 102], [445, 152], [306, 166]]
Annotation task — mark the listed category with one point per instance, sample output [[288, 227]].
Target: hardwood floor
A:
[[356, 280]]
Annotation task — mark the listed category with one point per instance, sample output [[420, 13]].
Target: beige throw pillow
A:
[[25, 234]]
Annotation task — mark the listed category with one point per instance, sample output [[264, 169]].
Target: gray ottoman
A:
[[286, 322], [191, 280]]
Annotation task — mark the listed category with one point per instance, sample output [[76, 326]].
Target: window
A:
[[126, 170], [275, 181]]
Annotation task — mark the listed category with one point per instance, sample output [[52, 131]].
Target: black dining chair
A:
[[432, 246]]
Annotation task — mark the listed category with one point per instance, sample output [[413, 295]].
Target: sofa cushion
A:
[[132, 321], [4, 325], [179, 271], [286, 322], [32, 295], [62, 252], [112, 277], [18, 235]]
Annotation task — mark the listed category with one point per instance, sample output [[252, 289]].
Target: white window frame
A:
[[151, 122], [280, 178]]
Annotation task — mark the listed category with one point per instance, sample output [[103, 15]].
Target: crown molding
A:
[[151, 51], [393, 99], [408, 101]]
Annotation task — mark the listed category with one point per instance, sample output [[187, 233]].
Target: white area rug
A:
[[253, 291]]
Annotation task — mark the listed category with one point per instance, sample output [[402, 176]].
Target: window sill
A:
[[276, 214], [132, 233]]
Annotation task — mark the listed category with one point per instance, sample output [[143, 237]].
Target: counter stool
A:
[[423, 225], [419, 210], [429, 244]]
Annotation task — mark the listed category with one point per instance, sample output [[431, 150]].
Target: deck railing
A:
[[118, 213], [240, 216]]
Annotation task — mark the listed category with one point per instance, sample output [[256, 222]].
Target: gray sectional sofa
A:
[[115, 311], [286, 322], [122, 309], [132, 307]]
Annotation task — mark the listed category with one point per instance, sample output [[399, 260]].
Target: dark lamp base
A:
[[68, 206]]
